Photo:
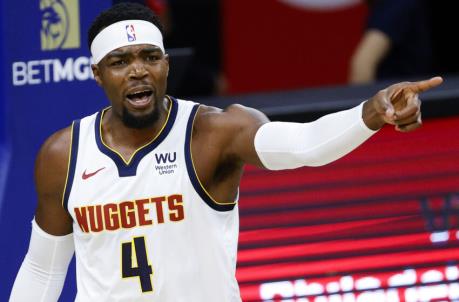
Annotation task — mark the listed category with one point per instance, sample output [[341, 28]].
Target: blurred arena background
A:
[[381, 224]]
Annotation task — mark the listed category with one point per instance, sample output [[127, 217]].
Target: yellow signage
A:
[[60, 24]]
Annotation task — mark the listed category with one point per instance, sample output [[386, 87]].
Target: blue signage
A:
[[47, 83]]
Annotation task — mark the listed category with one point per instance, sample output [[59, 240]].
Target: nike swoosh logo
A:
[[87, 175]]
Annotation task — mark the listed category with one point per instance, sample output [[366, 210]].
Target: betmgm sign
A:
[[59, 31]]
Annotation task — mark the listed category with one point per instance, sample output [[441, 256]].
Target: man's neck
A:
[[126, 140]]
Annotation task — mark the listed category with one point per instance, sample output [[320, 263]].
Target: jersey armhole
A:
[[197, 185], [73, 152]]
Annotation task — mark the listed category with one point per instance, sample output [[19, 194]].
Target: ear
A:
[[166, 59], [96, 72]]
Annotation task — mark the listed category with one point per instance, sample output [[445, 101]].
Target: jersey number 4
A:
[[143, 269]]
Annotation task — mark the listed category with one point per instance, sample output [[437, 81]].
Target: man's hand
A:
[[398, 105]]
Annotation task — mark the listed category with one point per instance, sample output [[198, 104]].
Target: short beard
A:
[[141, 122]]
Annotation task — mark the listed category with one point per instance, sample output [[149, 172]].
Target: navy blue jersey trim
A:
[[72, 164], [192, 173], [130, 169]]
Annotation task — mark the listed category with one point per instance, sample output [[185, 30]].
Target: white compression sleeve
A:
[[42, 273], [285, 145]]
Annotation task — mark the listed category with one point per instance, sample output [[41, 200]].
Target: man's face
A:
[[134, 78]]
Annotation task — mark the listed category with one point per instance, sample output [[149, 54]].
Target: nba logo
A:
[[130, 33]]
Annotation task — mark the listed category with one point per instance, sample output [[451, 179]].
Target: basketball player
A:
[[145, 192]]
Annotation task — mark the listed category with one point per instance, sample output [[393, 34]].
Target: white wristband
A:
[[284, 145], [42, 273]]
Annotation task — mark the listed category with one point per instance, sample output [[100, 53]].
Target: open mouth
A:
[[140, 98]]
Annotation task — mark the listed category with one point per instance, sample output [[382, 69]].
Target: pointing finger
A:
[[422, 86]]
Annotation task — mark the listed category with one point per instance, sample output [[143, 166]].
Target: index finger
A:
[[422, 86]]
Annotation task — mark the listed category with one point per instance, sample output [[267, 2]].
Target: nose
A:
[[137, 71]]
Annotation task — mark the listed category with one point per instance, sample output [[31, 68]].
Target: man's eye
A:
[[118, 62], [153, 58]]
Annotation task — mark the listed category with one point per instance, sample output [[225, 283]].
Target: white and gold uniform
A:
[[146, 230]]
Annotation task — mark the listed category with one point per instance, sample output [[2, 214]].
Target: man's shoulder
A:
[[209, 119], [223, 126], [57, 143], [233, 116], [216, 116]]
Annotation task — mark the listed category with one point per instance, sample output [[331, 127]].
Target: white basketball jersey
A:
[[146, 230]]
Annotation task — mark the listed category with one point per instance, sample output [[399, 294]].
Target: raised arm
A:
[[281, 145], [42, 273]]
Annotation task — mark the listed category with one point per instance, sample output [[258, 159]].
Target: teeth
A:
[[143, 93], [140, 92]]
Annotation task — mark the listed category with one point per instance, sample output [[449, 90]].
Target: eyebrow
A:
[[151, 49], [124, 53]]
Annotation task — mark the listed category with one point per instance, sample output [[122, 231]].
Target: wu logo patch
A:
[[165, 162], [165, 157], [60, 24], [130, 32]]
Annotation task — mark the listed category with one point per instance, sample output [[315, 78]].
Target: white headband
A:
[[124, 33]]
